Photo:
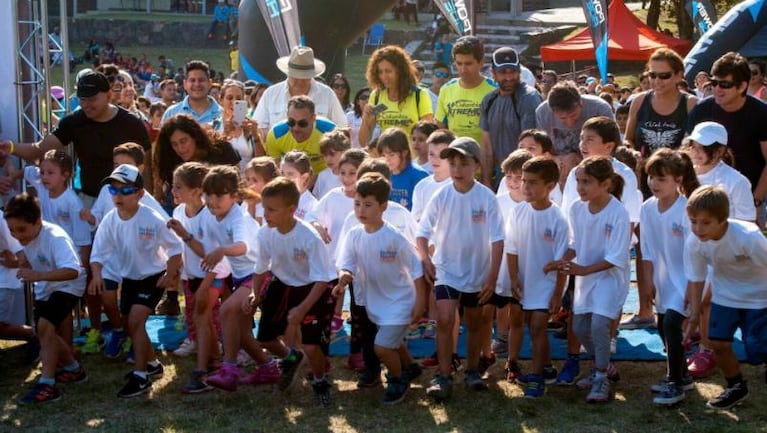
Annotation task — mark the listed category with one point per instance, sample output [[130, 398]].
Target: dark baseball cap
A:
[[92, 83], [505, 58]]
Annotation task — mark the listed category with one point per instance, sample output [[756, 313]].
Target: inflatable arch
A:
[[328, 26], [734, 30]]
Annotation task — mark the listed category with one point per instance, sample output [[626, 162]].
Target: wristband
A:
[[188, 238], [12, 146]]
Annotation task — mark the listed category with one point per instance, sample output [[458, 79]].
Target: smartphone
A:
[[378, 109], [240, 110]]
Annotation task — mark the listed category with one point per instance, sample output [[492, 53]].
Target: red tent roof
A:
[[629, 39]]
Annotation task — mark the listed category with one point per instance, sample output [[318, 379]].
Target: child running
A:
[[258, 172]]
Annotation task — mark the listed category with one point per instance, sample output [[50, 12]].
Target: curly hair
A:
[[165, 159], [402, 63]]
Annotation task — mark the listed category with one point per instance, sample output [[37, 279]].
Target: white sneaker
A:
[[613, 345], [188, 347], [243, 359]]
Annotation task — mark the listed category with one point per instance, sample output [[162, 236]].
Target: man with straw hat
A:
[[301, 68]]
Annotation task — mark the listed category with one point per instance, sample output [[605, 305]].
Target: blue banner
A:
[[596, 19], [281, 17], [459, 13], [703, 14]]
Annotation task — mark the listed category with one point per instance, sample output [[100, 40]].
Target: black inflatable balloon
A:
[[733, 30], [328, 26]]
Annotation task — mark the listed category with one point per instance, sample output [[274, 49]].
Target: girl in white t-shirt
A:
[[296, 166], [419, 141], [258, 172], [665, 227], [538, 143], [599, 258]]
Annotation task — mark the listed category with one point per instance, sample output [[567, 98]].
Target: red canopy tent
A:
[[629, 39]]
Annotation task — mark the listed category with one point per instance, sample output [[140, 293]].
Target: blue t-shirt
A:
[[402, 184]]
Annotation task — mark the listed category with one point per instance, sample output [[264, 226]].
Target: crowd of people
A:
[[482, 200]]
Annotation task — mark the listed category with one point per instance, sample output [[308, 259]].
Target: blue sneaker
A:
[[115, 346], [535, 386], [570, 371]]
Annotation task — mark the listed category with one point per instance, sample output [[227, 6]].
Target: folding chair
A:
[[374, 37]]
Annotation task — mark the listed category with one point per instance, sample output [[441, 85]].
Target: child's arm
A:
[[345, 278], [495, 264], [172, 267], [254, 298], [186, 237], [573, 268], [297, 313], [559, 265], [421, 294], [512, 260], [215, 256], [556, 299], [30, 275], [693, 300], [96, 286], [87, 216], [429, 270]]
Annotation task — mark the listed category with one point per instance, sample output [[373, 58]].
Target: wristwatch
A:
[[188, 238], [758, 202]]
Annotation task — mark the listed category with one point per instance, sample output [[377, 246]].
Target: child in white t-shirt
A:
[[539, 143], [297, 166], [665, 227], [464, 223], [12, 299], [148, 256], [385, 266], [440, 176], [53, 266], [536, 234], [332, 145], [419, 141], [599, 257], [258, 172], [737, 252]]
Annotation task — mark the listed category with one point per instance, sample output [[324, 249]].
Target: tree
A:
[[653, 14]]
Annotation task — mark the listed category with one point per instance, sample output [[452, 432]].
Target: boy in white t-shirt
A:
[[332, 145], [428, 186], [384, 265], [464, 222], [149, 260], [12, 299], [537, 233], [53, 266], [296, 305], [737, 252]]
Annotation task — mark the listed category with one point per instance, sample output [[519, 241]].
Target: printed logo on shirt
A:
[[740, 258], [388, 256], [230, 235], [63, 215], [463, 107], [608, 230], [200, 233], [300, 255], [478, 216], [146, 233], [42, 260], [677, 230], [548, 235]]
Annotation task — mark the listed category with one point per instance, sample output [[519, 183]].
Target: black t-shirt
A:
[[94, 141], [746, 128], [654, 130]]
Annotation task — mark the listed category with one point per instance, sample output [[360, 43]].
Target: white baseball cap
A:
[[708, 133]]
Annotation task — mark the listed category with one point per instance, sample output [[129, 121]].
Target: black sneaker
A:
[[168, 307], [321, 393], [550, 375], [135, 387], [78, 376], [156, 371], [289, 368], [730, 397], [396, 388], [485, 362], [196, 384], [473, 380], [40, 393], [368, 379], [412, 372]]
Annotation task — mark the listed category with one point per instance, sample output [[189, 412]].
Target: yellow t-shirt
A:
[[458, 107], [403, 116], [280, 141], [234, 60]]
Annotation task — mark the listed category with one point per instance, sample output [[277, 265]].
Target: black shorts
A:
[[57, 308], [141, 292], [279, 299], [499, 301], [467, 300]]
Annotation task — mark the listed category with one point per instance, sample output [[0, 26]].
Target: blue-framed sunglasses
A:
[[123, 190]]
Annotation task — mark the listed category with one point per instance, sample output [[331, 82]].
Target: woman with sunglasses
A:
[[657, 117], [756, 87], [239, 132], [399, 102], [340, 86], [354, 116]]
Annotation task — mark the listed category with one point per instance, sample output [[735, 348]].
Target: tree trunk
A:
[[653, 14], [683, 20]]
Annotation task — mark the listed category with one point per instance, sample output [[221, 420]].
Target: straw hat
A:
[[301, 64]]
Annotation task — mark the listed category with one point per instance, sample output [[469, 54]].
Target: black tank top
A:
[[654, 131]]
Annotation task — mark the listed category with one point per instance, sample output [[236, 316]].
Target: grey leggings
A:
[[594, 332]]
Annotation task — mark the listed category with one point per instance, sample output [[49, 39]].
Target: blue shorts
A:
[[467, 300], [753, 326]]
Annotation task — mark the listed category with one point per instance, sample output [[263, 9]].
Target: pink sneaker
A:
[[265, 374], [337, 324], [225, 378], [701, 364], [355, 362]]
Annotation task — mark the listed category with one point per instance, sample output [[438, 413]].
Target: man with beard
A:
[[505, 113], [203, 108]]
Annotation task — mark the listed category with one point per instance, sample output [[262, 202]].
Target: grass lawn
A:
[[93, 406]]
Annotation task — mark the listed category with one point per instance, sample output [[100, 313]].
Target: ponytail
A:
[[689, 178], [617, 185]]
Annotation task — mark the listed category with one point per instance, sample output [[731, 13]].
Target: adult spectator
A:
[[756, 86], [197, 103], [354, 116], [302, 130], [340, 86], [505, 112], [744, 117], [240, 135], [94, 130], [391, 75], [562, 115], [701, 79], [168, 92], [300, 68], [658, 117], [548, 80], [220, 19], [459, 99], [439, 76]]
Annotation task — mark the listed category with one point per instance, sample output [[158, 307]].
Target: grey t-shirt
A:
[[505, 117], [566, 140]]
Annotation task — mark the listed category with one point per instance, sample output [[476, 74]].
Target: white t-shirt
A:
[[537, 237], [507, 206], [63, 210], [662, 242], [140, 246], [424, 191], [51, 250], [331, 212], [296, 258], [306, 204], [384, 265], [739, 261], [462, 227], [196, 225], [631, 197], [8, 278], [236, 227], [426, 166], [603, 236], [273, 106], [737, 187], [104, 204], [326, 181]]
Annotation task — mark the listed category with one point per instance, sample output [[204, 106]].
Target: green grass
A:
[[93, 406]]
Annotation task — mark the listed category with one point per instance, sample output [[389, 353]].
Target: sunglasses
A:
[[440, 74], [123, 190], [660, 75], [303, 123], [724, 84], [364, 97]]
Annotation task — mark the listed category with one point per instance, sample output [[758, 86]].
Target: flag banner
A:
[[703, 14], [281, 17], [596, 19], [459, 13]]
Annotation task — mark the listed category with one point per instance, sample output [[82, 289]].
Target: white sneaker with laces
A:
[[187, 347]]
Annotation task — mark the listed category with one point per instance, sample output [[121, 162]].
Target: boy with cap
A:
[[149, 258], [464, 223]]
